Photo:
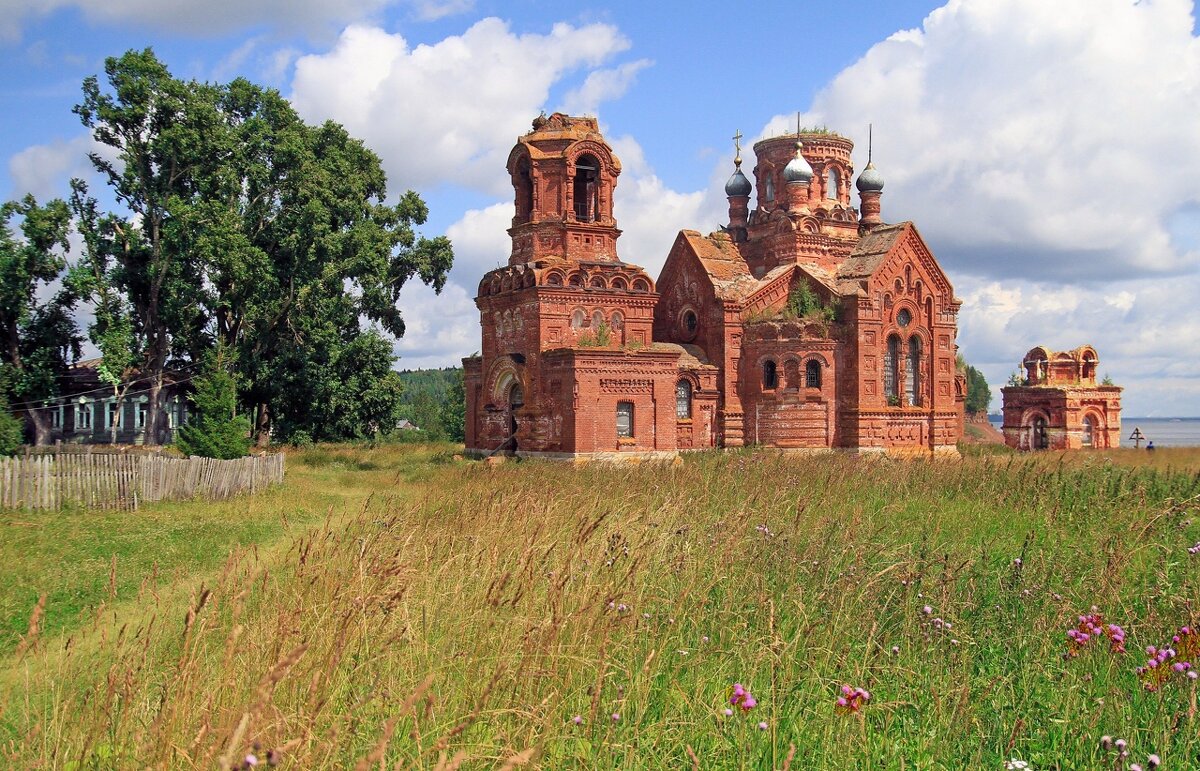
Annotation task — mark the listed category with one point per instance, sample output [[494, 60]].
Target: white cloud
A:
[[432, 10], [481, 243], [602, 86], [198, 19], [440, 328], [1038, 137], [45, 170], [448, 112]]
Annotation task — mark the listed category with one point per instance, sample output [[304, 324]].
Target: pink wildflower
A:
[[851, 700]]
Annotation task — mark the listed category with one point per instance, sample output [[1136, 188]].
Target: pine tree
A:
[[217, 431]]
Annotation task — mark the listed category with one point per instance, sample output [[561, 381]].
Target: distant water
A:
[[1164, 432]]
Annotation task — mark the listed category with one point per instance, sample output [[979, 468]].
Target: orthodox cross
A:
[[737, 146], [1138, 437]]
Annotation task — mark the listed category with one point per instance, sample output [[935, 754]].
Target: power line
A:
[[55, 402]]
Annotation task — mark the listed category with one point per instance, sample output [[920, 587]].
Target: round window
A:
[[903, 318], [690, 322]]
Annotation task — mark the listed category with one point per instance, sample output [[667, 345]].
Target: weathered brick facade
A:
[[1059, 406], [799, 326]]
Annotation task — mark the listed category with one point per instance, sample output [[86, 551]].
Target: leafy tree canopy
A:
[[979, 393], [37, 335], [257, 230]]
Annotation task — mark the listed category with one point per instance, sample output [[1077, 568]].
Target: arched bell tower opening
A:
[[523, 186], [585, 190]]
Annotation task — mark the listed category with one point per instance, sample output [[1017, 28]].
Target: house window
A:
[[812, 374], [112, 414], [56, 416], [770, 375], [890, 359], [139, 418], [83, 416], [683, 400], [624, 420], [912, 374]]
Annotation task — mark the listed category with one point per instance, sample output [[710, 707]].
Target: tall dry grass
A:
[[468, 626]]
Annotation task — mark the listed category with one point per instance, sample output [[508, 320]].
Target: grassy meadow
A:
[[396, 607]]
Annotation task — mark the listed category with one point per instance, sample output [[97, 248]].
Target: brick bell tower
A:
[[564, 289], [563, 174]]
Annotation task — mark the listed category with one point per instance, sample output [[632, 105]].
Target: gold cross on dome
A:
[[737, 146]]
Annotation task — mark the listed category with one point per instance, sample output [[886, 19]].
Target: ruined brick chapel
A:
[[803, 324]]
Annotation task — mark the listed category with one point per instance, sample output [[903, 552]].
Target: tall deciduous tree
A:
[[306, 247], [96, 276], [37, 333], [251, 227], [158, 128]]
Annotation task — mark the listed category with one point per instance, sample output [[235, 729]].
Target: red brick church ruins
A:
[[800, 325], [1059, 405]]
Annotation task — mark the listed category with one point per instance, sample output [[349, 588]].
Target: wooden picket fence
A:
[[112, 481]]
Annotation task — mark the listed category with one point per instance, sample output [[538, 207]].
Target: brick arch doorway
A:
[[1035, 430], [516, 400], [1040, 438]]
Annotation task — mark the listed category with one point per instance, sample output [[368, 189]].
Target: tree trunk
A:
[[41, 425], [262, 426], [151, 432]]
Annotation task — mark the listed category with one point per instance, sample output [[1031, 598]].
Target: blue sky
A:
[[1047, 152]]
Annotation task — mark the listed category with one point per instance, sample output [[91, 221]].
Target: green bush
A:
[[12, 430]]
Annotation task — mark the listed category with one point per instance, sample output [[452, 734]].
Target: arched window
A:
[[516, 396], [770, 195], [1088, 432], [831, 184], [641, 285], [618, 321], [619, 283], [891, 357], [598, 282], [625, 420], [770, 375], [597, 319], [578, 319], [912, 373], [554, 279], [576, 279], [1089, 366], [812, 374], [524, 190], [683, 400], [586, 190]]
